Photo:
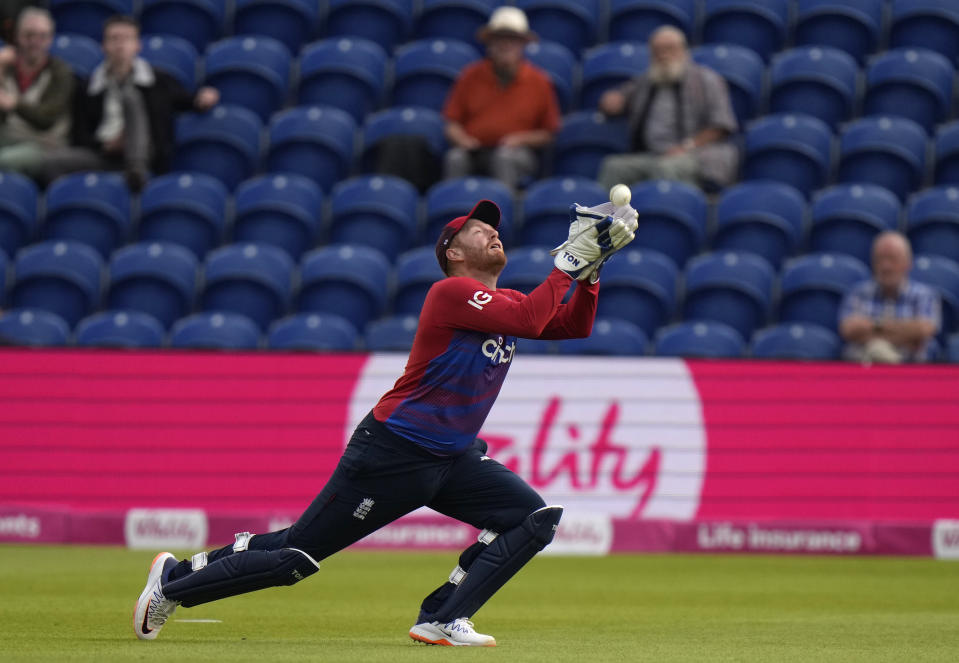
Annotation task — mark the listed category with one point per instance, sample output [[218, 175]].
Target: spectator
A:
[[35, 94], [680, 120], [123, 116], [9, 13], [888, 318]]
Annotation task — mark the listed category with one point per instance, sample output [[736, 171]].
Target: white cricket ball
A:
[[619, 195]]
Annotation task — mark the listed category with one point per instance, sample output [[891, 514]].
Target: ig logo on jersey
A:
[[480, 299]]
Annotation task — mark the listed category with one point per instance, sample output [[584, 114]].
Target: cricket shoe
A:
[[153, 608], [457, 633]]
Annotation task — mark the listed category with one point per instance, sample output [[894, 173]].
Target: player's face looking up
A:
[[477, 246]]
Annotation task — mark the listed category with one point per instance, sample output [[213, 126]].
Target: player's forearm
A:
[[575, 319]]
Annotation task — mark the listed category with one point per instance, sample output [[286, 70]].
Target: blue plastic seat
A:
[[291, 21], [215, 330], [946, 157], [93, 208], [120, 329], [155, 278], [943, 274], [672, 218], [759, 25], [18, 211], [545, 218], [174, 55], [379, 211], [610, 337], [847, 217], [33, 326], [61, 276], [932, 24], [4, 264], [791, 148], [639, 286], [393, 333], [254, 280], [526, 267], [584, 139], [853, 26], [951, 353], [914, 83], [796, 341], [188, 209], [888, 151], [425, 70], [813, 286], [743, 71], [932, 222], [706, 339], [636, 20], [446, 200], [313, 331], [349, 280], [761, 217], [279, 210], [815, 80], [402, 121], [452, 19], [224, 143], [249, 71], [386, 22], [734, 288], [561, 66], [312, 141], [346, 72], [81, 52], [86, 17], [607, 65], [574, 23], [416, 272], [198, 21]]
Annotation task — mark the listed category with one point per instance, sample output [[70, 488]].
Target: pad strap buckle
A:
[[242, 541], [199, 561]]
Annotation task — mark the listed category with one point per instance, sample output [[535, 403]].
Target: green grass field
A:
[[75, 603]]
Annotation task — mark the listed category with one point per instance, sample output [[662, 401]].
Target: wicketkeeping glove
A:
[[595, 233]]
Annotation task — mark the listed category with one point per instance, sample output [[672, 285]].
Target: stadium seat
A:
[[292, 22], [345, 72], [951, 353], [607, 65], [401, 121], [188, 209], [391, 334], [610, 337], [584, 139], [280, 210], [796, 341], [81, 52], [425, 70], [914, 83], [61, 276], [18, 211], [853, 26], [673, 218], [379, 211], [563, 69], [943, 274], [639, 286], [120, 329], [815, 80], [312, 141], [174, 55], [33, 326], [813, 286], [85, 17], [526, 267], [446, 200], [762, 217], [574, 23], [215, 331], [249, 71], [4, 268], [932, 24], [198, 21], [734, 288], [888, 151], [743, 72], [636, 20], [932, 222], [452, 19], [385, 22], [254, 280], [791, 148], [946, 151], [224, 143], [847, 217], [155, 278], [312, 331], [545, 217], [759, 25], [93, 208], [416, 272], [699, 339], [349, 280]]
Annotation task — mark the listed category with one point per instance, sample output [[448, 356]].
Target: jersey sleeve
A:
[[574, 319]]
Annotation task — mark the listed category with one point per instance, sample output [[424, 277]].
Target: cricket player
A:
[[418, 445]]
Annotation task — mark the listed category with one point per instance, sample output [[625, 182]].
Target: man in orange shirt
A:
[[502, 110]]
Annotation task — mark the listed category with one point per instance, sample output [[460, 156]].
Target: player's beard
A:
[[667, 73], [484, 259]]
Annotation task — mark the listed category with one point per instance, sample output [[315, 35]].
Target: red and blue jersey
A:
[[464, 344]]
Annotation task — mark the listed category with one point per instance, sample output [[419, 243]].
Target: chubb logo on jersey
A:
[[497, 352]]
